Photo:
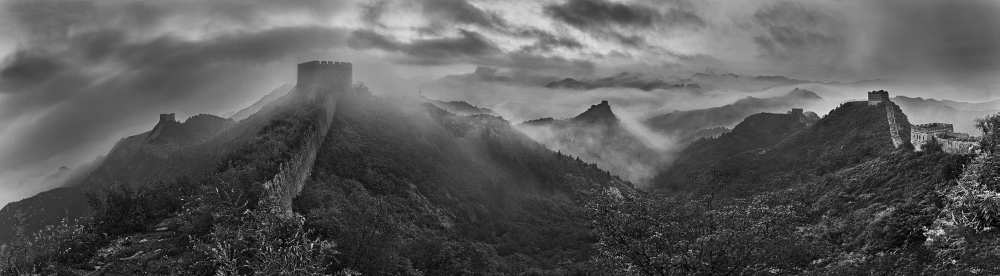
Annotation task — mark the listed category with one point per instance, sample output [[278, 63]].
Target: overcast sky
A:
[[75, 76]]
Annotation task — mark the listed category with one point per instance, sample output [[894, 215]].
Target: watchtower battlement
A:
[[945, 135], [325, 75], [877, 97], [934, 128], [168, 117]]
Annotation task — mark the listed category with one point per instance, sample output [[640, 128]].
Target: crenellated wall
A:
[[318, 77], [291, 176], [324, 83], [949, 145], [899, 126]]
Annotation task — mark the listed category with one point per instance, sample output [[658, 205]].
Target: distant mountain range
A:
[[689, 125], [598, 136], [624, 80], [962, 115], [698, 82], [462, 108]]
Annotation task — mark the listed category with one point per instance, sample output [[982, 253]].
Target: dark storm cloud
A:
[[805, 37], [607, 19], [54, 19], [548, 42], [460, 11], [951, 37], [25, 69], [449, 12], [791, 28], [467, 48], [468, 45], [451, 15], [154, 74], [587, 14]]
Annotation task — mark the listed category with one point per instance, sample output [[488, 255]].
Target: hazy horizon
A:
[[77, 76]]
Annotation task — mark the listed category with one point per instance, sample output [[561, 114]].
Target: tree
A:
[[990, 126]]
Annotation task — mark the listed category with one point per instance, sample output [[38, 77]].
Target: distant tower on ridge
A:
[[327, 76], [877, 97]]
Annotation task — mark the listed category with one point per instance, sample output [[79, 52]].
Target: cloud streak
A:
[[608, 19]]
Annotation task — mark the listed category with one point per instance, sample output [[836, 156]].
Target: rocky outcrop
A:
[[598, 113]]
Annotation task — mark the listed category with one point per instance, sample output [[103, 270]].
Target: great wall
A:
[[899, 136], [323, 82], [326, 82], [919, 135], [945, 135]]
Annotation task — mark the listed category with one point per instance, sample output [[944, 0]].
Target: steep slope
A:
[[690, 125], [598, 136], [833, 198], [274, 95], [398, 183], [851, 134], [400, 188], [170, 151], [756, 135]]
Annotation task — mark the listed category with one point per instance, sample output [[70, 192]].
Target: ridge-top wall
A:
[[324, 75], [323, 82]]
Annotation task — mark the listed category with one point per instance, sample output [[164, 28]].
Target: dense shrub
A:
[[263, 243]]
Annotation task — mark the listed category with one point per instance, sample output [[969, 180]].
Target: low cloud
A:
[[614, 20]]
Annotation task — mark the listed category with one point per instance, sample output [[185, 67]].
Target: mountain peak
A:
[[597, 113], [803, 94]]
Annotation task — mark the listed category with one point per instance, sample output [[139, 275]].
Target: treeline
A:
[[902, 213]]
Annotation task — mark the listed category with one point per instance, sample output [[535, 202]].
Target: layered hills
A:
[[343, 178], [598, 136], [330, 179], [689, 125], [962, 115], [170, 150], [768, 147]]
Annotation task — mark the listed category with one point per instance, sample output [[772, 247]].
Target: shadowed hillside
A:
[[598, 136], [772, 151], [387, 188], [689, 125]]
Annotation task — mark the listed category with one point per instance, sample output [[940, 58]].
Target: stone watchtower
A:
[[327, 76], [877, 97]]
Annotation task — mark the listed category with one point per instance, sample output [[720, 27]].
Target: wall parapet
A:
[[325, 83]]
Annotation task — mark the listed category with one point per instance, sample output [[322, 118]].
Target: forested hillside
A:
[[833, 198], [395, 189]]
